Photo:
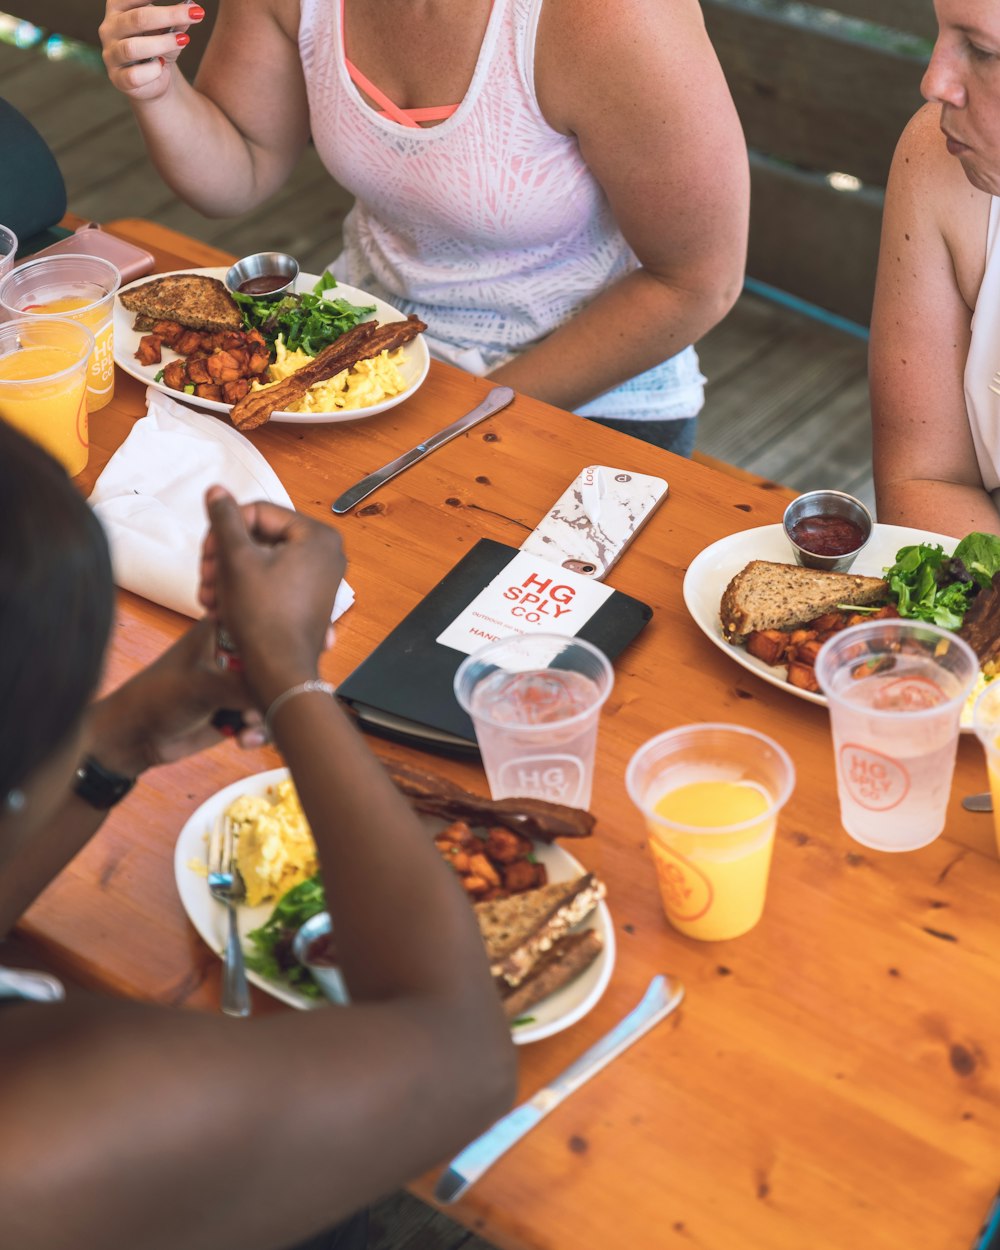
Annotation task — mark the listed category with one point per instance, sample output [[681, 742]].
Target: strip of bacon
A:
[[364, 341]]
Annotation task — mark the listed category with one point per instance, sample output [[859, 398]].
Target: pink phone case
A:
[[90, 240]]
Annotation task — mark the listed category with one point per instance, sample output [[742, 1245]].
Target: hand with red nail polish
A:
[[140, 43]]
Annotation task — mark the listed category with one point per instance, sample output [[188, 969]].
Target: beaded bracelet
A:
[[313, 686]]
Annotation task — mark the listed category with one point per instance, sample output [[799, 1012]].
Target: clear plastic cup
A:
[[80, 288], [896, 689], [535, 701], [43, 385], [986, 722], [8, 250], [710, 795]]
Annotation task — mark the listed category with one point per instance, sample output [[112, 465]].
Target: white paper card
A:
[[529, 595]]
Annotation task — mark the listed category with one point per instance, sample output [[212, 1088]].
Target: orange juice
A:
[[97, 319], [44, 396], [712, 849]]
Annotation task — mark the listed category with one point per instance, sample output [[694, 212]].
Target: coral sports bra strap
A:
[[405, 117]]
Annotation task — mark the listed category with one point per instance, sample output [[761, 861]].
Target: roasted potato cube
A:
[[769, 645], [480, 866], [806, 652], [503, 846], [148, 352], [174, 375], [803, 676], [520, 876]]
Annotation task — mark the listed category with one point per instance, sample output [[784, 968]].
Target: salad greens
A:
[[273, 957], [931, 586], [980, 553], [305, 321]]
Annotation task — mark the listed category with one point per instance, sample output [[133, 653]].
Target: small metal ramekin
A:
[[827, 503], [264, 264], [327, 978]]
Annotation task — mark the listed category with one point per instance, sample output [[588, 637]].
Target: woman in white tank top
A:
[[570, 226], [935, 341]]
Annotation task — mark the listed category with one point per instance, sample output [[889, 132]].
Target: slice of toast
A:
[[517, 930], [194, 300], [560, 964], [782, 596]]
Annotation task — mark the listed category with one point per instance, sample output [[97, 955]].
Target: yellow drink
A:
[[50, 404], [97, 319], [993, 760], [712, 877]]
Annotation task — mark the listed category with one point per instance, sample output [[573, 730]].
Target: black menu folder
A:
[[404, 689]]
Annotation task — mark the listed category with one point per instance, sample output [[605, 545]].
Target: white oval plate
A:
[[552, 1015], [416, 358], [711, 571]]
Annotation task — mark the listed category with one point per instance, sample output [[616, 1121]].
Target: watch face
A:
[[100, 787]]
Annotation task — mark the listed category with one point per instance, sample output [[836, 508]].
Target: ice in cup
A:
[[8, 250], [535, 701], [986, 722], [710, 795], [43, 385], [896, 689], [81, 288]]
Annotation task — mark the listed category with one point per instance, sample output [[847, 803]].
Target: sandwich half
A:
[[529, 940], [784, 596]]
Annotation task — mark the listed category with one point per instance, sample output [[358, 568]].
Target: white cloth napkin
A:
[[151, 499]]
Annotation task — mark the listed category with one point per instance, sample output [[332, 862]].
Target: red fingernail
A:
[[182, 39], [196, 13], [161, 60]]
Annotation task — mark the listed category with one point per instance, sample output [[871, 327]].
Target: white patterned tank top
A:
[[983, 363], [488, 226]]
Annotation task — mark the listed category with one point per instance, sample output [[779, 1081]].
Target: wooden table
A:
[[830, 1078]]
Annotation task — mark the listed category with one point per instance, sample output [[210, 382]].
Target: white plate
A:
[[711, 571], [414, 366], [552, 1015]]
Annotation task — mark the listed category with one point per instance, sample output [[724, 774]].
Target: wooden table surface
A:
[[829, 1081]]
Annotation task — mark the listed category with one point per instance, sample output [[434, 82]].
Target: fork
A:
[[226, 886]]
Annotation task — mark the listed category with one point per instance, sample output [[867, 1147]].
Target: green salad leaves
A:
[[931, 586], [306, 321], [273, 956]]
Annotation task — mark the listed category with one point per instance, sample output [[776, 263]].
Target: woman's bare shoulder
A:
[[631, 51], [930, 183]]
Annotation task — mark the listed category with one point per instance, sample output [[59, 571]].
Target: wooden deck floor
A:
[[787, 397]]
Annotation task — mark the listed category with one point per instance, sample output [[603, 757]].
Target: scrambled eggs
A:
[[982, 681], [275, 850], [369, 382]]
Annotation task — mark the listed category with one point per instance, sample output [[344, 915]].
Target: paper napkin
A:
[[151, 499]]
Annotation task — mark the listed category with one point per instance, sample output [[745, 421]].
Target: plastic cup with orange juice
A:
[[43, 385], [710, 795], [81, 288], [986, 722]]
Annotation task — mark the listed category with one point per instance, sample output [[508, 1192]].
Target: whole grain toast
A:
[[192, 299], [518, 930], [564, 961], [765, 595]]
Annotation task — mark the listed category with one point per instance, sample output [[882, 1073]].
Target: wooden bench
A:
[[820, 96]]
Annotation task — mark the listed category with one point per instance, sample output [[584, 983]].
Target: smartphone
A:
[[90, 240], [594, 520]]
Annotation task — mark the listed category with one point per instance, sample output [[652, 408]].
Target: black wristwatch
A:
[[99, 786]]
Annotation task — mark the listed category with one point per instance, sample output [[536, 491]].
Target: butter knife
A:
[[499, 397], [657, 1003]]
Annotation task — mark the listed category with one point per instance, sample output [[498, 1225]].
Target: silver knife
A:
[[499, 397], [657, 1003]]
